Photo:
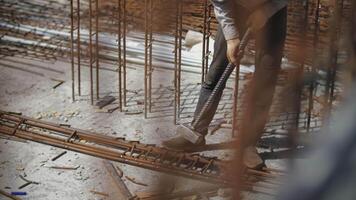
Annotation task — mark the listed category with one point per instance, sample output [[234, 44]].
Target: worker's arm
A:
[[225, 12]]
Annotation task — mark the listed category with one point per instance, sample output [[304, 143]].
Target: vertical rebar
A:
[[72, 45], [208, 34], [204, 36], [146, 58], [119, 61], [315, 44], [91, 53], [124, 22], [78, 47], [150, 56], [97, 46], [332, 65], [339, 19], [180, 56], [175, 63]]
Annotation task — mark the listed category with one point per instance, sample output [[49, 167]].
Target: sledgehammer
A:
[[188, 131]]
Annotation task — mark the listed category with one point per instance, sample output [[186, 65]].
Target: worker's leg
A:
[[269, 45], [217, 67]]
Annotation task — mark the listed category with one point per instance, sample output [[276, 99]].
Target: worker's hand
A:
[[256, 20], [233, 50]]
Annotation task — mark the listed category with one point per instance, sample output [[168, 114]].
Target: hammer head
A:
[[189, 134]]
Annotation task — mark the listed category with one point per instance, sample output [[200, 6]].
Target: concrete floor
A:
[[26, 87]]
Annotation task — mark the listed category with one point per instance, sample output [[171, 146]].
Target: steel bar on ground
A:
[[128, 152]]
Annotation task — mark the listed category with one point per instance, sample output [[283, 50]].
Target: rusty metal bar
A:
[[78, 48], [335, 49], [97, 46], [150, 56], [208, 34], [72, 46], [178, 60], [315, 45], [133, 153], [124, 32], [91, 52], [204, 42], [146, 58], [119, 61]]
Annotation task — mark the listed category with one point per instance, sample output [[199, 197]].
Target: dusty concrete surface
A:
[[26, 87]]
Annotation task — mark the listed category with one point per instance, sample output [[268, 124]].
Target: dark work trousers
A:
[[269, 51]]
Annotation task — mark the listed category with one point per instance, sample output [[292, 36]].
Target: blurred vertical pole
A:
[[72, 46], [353, 39], [333, 55], [296, 102], [314, 64], [119, 61]]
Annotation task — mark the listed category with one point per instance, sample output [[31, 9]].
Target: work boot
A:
[[251, 158], [179, 143]]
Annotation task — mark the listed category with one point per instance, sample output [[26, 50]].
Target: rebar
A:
[[117, 149]]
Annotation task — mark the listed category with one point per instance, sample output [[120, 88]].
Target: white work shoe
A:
[[251, 158]]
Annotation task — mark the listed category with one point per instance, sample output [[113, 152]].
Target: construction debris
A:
[[11, 196], [133, 180], [58, 156], [99, 193], [28, 182]]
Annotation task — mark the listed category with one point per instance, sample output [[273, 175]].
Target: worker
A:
[[268, 21]]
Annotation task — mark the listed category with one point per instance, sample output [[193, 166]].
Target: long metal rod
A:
[[315, 49], [124, 32], [208, 34], [91, 52], [145, 76], [180, 15], [175, 110], [119, 61], [150, 56], [97, 46], [72, 47], [204, 42], [128, 152], [339, 19], [78, 47]]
